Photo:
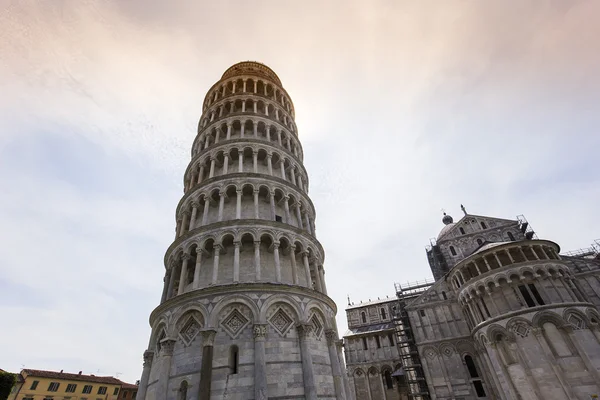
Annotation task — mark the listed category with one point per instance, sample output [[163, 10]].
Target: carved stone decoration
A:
[[430, 353], [234, 323], [167, 346], [304, 331], [576, 322], [317, 326], [447, 350], [259, 331], [148, 357], [190, 331], [281, 322], [521, 330], [208, 337], [331, 336]]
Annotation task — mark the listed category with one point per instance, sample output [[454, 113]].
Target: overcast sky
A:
[[403, 108]]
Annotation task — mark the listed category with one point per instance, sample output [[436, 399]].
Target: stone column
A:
[[217, 253], [205, 213], [553, 363], [236, 261], [307, 222], [282, 164], [171, 282], [184, 218], [183, 276], [195, 206], [243, 127], [244, 87], [336, 369], [339, 345], [212, 167], [277, 263], [268, 128], [225, 163], [208, 340], [167, 346], [307, 269], [166, 281], [238, 204], [201, 174], [207, 142], [199, 254], [293, 175], [240, 160], [143, 386], [229, 129], [255, 124], [260, 365], [244, 106], [317, 277], [272, 201], [255, 193], [257, 259], [178, 228], [294, 269], [299, 216], [286, 206], [322, 278], [221, 205], [582, 353], [310, 390], [255, 161], [270, 163]]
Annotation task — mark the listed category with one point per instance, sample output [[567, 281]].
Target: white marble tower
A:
[[244, 313]]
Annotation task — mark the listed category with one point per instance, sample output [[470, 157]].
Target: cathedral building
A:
[[244, 312], [507, 317]]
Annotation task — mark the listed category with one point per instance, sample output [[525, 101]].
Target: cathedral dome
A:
[[448, 222]]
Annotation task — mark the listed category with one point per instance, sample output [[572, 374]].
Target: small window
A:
[[422, 312], [134, 395], [452, 250], [378, 342], [71, 388], [483, 225], [471, 367], [102, 390], [462, 230], [383, 314], [388, 379], [526, 296], [444, 296], [278, 218], [364, 340], [53, 387], [479, 242], [183, 391], [116, 392], [391, 339], [34, 385], [87, 389], [510, 236], [479, 388], [234, 358], [536, 294], [124, 394], [364, 317]]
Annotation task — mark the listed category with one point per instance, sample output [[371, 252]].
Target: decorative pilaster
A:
[[336, 369], [208, 340], [310, 391], [166, 352], [260, 365], [143, 386]]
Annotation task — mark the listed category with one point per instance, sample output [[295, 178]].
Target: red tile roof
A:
[[128, 386], [74, 377]]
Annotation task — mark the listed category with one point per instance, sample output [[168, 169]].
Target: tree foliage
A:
[[7, 381]]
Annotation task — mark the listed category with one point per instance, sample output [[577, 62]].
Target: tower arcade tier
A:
[[244, 311]]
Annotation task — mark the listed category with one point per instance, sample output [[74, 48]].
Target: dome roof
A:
[[252, 68], [446, 229]]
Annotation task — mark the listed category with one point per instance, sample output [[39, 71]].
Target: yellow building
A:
[[50, 385]]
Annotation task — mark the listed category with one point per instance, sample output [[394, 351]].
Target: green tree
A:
[[7, 381]]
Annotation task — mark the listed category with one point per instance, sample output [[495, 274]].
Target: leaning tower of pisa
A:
[[244, 312]]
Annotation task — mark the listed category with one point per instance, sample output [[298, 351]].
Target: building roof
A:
[[74, 377], [371, 303], [129, 386], [369, 329]]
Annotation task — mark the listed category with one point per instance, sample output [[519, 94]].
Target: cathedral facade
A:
[[244, 312], [507, 317]]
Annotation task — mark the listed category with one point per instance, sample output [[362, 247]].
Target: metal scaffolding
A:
[[409, 355]]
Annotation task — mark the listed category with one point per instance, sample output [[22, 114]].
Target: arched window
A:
[[452, 250], [510, 236], [383, 314], [183, 391], [233, 360], [475, 379], [462, 231], [444, 296], [387, 378], [378, 342], [364, 317], [483, 225]]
